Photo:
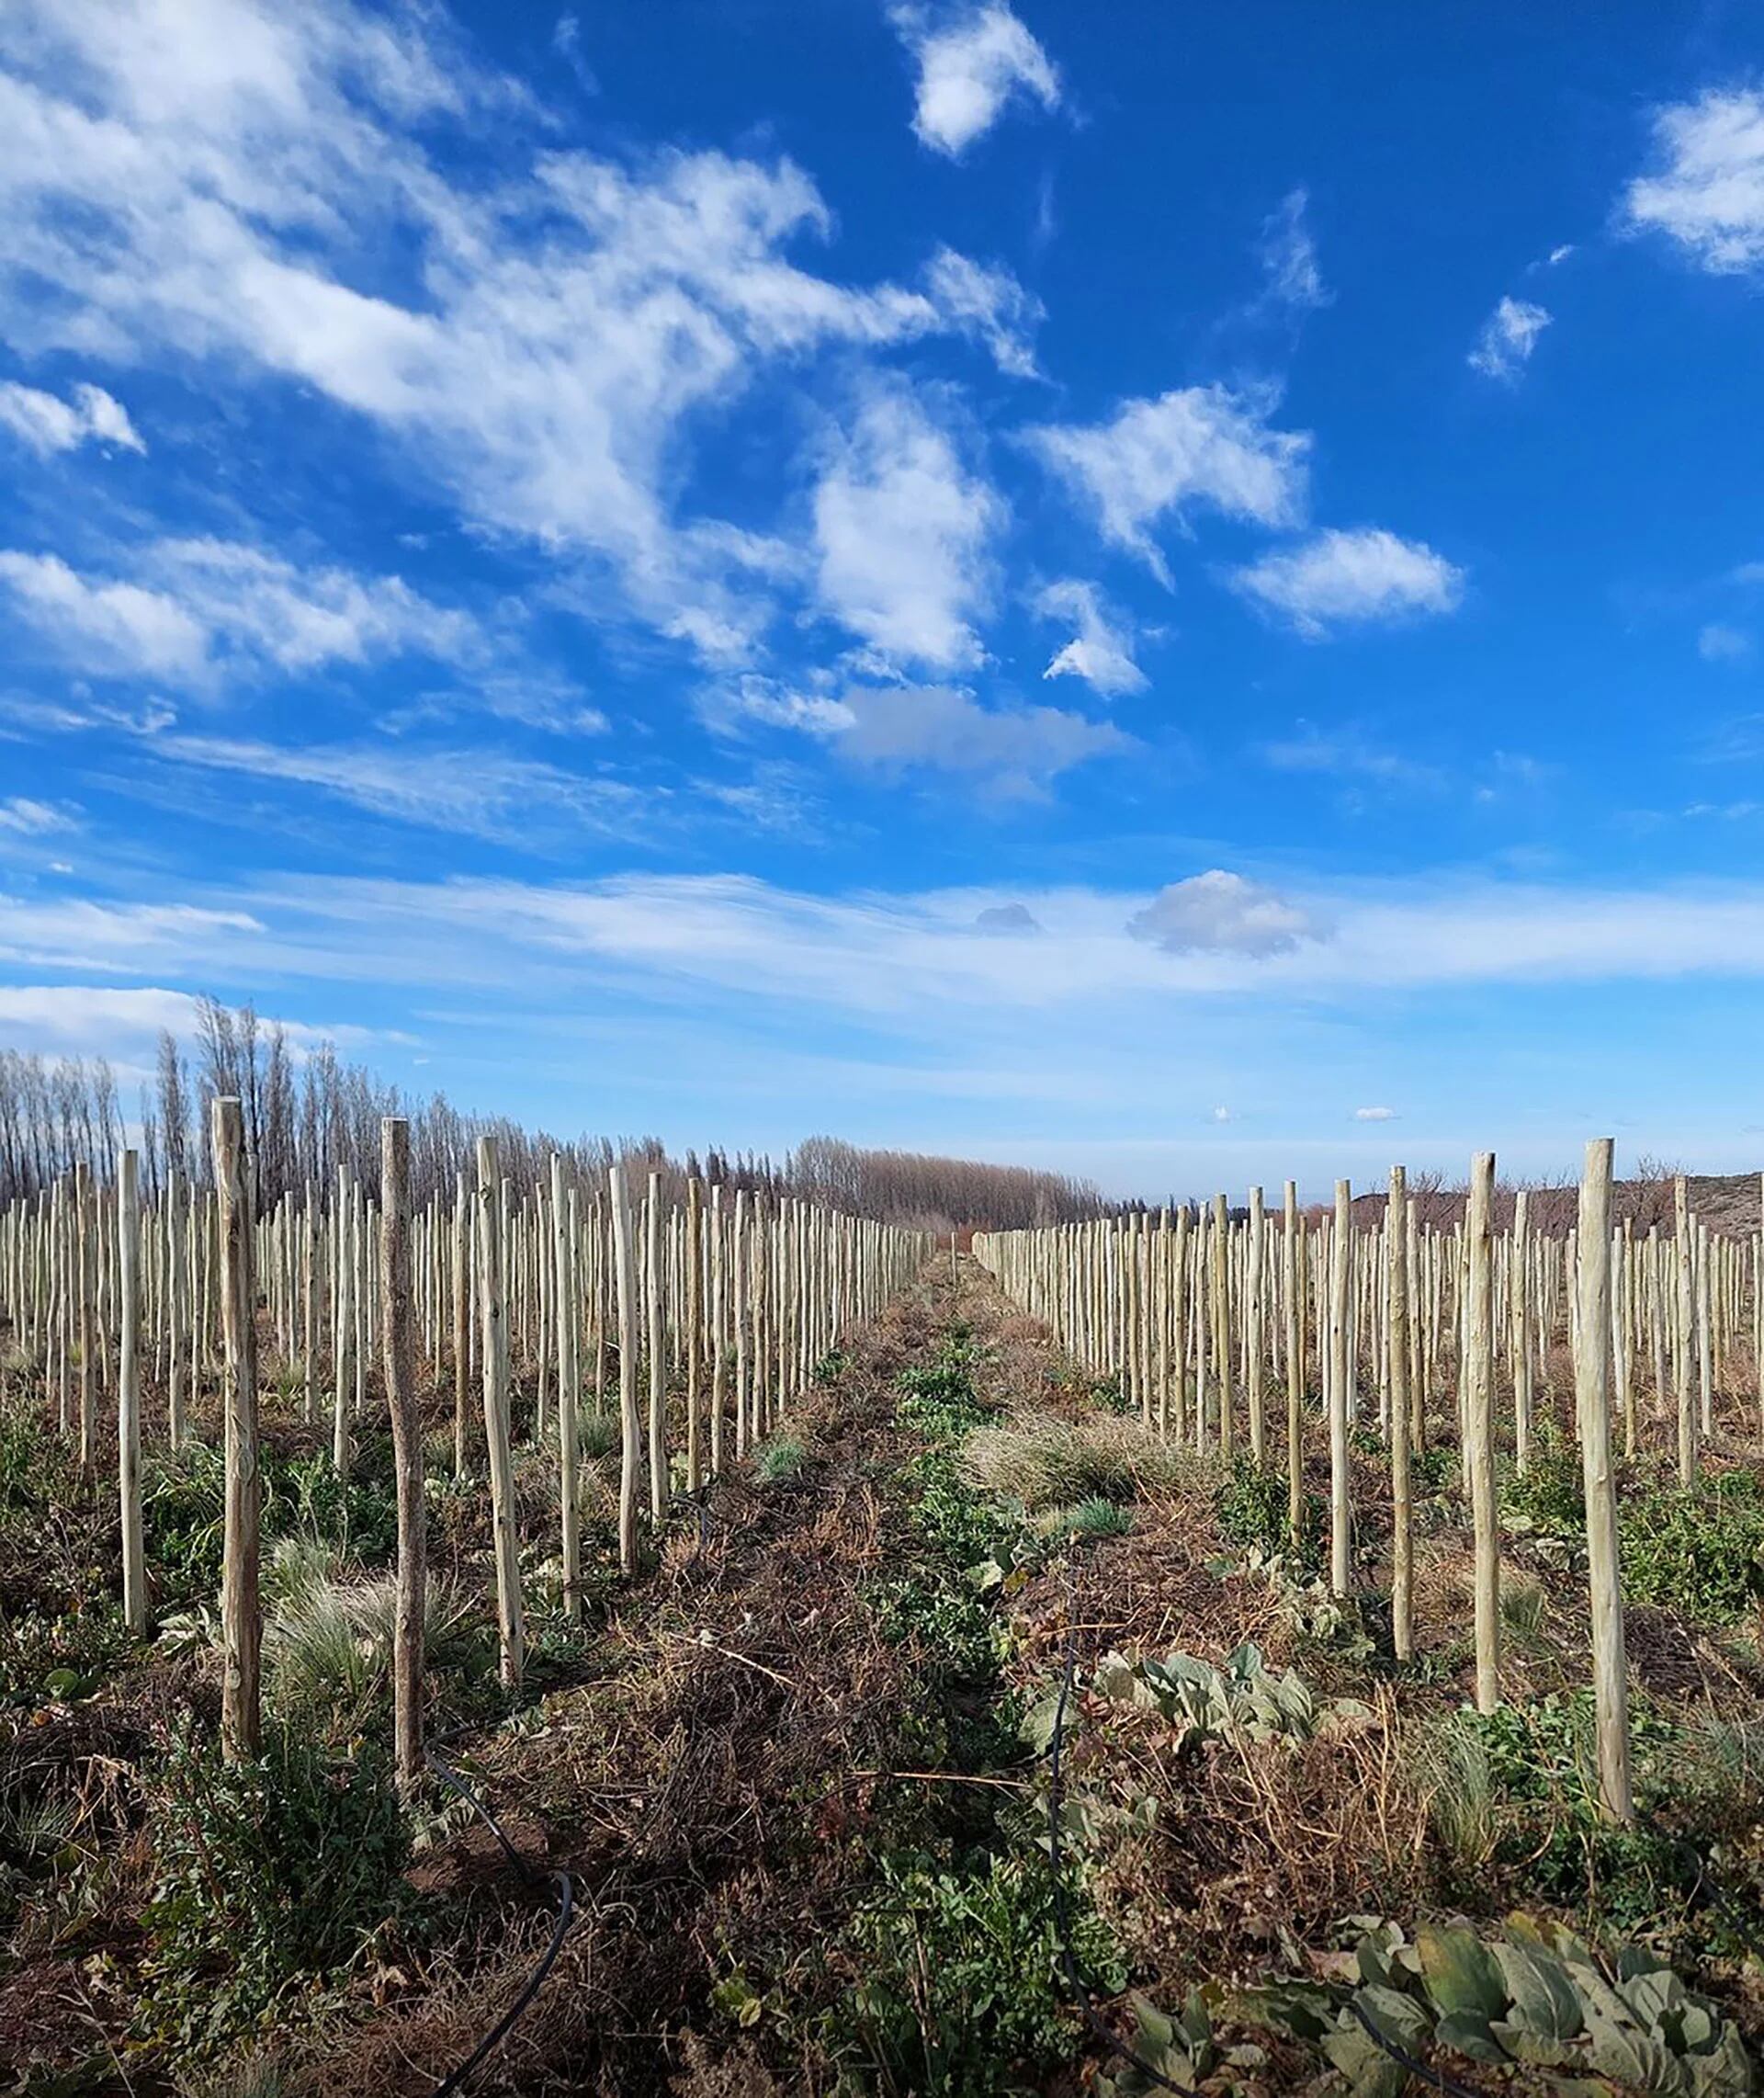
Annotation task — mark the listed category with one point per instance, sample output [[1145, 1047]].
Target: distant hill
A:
[[1727, 1202]]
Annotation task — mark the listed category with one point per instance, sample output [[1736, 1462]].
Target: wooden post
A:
[[1295, 1369], [242, 1620], [653, 1281], [399, 1361], [566, 1315], [1253, 1344], [1341, 1483], [1592, 1393], [135, 1560], [632, 1450], [1479, 1425], [86, 1259], [493, 1319], [1402, 1608], [1684, 1302], [461, 1318]]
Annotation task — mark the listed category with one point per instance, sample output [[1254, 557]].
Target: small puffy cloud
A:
[[1221, 1114], [1353, 577], [1708, 190], [1019, 751], [1719, 643], [1218, 913], [1507, 338], [902, 532], [1100, 650], [971, 66], [1374, 1114], [1288, 257], [1197, 446], [47, 423], [1010, 918]]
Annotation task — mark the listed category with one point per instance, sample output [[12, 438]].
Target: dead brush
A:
[[1047, 1461], [1255, 1847]]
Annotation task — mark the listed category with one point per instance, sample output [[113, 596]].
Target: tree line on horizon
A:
[[309, 1112]]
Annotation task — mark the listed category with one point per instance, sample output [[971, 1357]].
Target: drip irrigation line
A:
[[457, 2079], [1742, 1924]]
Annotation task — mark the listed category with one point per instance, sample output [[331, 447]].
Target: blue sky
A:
[[1156, 590]]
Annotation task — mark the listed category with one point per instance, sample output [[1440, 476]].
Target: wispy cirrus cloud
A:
[[572, 320], [1198, 447], [1507, 337], [1292, 276], [195, 611]]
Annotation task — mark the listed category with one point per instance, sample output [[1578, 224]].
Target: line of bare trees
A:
[[307, 1113]]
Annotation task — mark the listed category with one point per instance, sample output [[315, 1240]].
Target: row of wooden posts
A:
[[734, 1301], [1203, 1317]]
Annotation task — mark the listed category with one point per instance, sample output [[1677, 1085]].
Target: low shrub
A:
[[1699, 1549], [267, 1874], [960, 1993], [1252, 1509]]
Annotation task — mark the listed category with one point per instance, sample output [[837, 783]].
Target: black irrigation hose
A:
[[566, 1885], [1742, 1924]]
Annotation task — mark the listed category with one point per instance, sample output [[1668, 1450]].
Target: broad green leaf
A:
[[1462, 1974], [1545, 2002]]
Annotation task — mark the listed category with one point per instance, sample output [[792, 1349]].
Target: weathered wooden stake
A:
[[1592, 1392], [241, 1619], [399, 1361]]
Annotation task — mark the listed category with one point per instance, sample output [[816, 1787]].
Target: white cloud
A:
[[1345, 754], [1720, 643], [477, 793], [47, 423], [1288, 257], [1220, 1115], [727, 707], [1101, 652], [214, 179], [1157, 458], [990, 304], [1018, 750], [1342, 577], [1218, 912], [200, 608], [1708, 194], [28, 819], [1374, 1114], [971, 65], [902, 531], [108, 629], [1507, 338]]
